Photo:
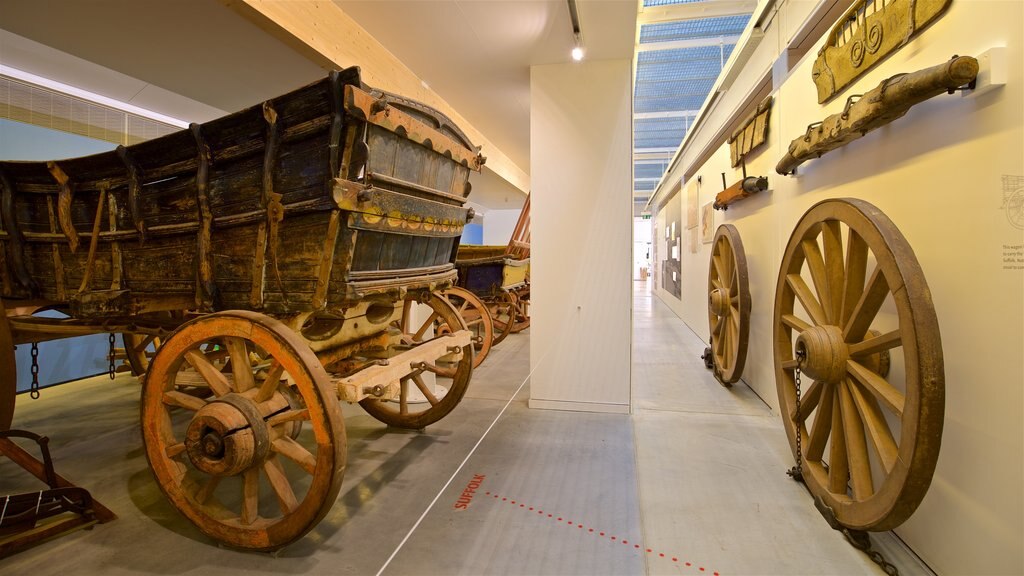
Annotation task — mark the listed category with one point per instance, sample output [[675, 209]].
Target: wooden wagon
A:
[[499, 276], [289, 256]]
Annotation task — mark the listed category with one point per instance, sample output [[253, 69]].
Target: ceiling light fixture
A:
[[577, 36]]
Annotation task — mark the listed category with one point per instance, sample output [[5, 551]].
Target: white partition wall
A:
[[580, 234]]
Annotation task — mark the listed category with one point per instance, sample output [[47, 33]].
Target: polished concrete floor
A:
[[693, 482]]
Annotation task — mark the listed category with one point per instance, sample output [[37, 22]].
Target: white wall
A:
[[581, 215], [938, 174], [499, 225]]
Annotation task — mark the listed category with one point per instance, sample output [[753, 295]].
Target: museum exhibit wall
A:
[[941, 173], [580, 140], [73, 358], [499, 225]]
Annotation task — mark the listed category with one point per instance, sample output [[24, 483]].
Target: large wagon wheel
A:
[[451, 379], [869, 440], [728, 305], [259, 462], [522, 321], [477, 318], [140, 349], [503, 315], [8, 372]]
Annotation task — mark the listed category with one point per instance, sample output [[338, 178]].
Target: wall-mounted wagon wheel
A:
[[451, 376], [242, 429], [503, 315], [728, 305], [851, 300], [478, 320], [522, 321], [8, 372]]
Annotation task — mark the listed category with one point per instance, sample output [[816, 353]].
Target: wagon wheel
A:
[[140, 349], [259, 462], [728, 305], [869, 439], [453, 378], [8, 372], [522, 321], [503, 313], [477, 318]]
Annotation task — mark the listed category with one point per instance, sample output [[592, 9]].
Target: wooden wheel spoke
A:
[[210, 373], [877, 344], [288, 416], [144, 343], [734, 286], [182, 400], [856, 272], [206, 490], [856, 446], [403, 397], [295, 452], [889, 396], [822, 424], [250, 495], [795, 323], [423, 329], [719, 270], [838, 459], [803, 295], [241, 367], [832, 241], [876, 426], [465, 304], [808, 402], [867, 307], [819, 275], [175, 450], [717, 283], [270, 384], [418, 379], [279, 484]]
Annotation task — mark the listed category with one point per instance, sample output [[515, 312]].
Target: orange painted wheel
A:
[[452, 379], [474, 312], [242, 429]]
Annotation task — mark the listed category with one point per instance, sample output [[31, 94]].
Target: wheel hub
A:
[[227, 436], [719, 301], [825, 353]]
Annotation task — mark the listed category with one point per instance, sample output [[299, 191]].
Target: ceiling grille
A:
[[31, 104]]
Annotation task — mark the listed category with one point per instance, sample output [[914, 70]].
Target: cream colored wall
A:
[[499, 226], [581, 216], [937, 173]]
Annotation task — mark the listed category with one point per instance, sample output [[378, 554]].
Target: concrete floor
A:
[[693, 482]]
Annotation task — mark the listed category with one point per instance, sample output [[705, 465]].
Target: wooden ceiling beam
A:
[[328, 36]]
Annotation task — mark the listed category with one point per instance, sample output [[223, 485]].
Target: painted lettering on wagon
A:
[[469, 491]]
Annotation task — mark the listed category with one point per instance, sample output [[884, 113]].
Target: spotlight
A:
[[577, 53]]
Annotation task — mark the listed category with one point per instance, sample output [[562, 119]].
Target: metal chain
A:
[[110, 357], [861, 541], [797, 472], [34, 390]]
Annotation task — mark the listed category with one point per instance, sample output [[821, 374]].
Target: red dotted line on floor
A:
[[589, 530]]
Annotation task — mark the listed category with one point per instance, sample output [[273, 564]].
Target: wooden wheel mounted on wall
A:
[[8, 372], [451, 375], [851, 298], [243, 430], [474, 312], [728, 305]]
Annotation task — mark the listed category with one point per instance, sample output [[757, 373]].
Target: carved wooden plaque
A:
[[868, 32]]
